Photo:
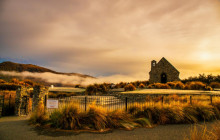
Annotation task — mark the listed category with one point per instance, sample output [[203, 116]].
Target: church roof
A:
[[164, 60]]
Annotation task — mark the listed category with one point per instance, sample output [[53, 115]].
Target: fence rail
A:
[[113, 102]]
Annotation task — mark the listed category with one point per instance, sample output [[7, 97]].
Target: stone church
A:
[[163, 72]]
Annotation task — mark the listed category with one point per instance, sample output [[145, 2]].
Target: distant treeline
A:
[[207, 79]]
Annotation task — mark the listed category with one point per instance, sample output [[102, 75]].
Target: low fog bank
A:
[[73, 80]]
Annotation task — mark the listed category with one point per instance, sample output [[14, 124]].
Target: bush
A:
[[2, 81], [129, 87], [141, 86], [196, 85], [28, 82], [171, 84], [161, 86], [179, 85], [150, 86], [208, 88], [103, 88], [215, 85], [91, 89]]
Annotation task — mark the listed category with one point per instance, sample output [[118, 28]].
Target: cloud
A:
[[110, 37]]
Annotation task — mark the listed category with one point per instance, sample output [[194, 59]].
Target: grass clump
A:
[[67, 117], [115, 118], [97, 118], [39, 116]]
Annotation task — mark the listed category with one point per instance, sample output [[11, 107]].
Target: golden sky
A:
[[112, 37]]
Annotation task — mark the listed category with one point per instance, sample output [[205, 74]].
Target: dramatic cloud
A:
[[110, 37]]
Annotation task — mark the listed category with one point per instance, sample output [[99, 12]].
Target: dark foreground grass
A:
[[69, 116]]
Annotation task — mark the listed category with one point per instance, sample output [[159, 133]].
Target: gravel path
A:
[[17, 128]]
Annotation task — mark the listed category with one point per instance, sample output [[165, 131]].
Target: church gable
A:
[[166, 64]]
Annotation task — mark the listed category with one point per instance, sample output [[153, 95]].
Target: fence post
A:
[[162, 100], [85, 103], [3, 103], [211, 99], [126, 103], [9, 104], [45, 100], [191, 100]]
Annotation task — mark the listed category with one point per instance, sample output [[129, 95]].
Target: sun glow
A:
[[205, 56]]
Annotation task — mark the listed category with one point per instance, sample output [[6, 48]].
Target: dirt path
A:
[[16, 128]]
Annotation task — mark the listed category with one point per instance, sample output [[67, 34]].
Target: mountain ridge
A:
[[19, 67]]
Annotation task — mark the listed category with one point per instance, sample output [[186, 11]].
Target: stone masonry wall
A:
[[39, 95]]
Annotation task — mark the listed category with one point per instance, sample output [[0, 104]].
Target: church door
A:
[[163, 78]]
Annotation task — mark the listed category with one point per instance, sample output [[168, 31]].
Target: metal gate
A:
[[1, 105]]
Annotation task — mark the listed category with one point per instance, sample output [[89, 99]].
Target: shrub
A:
[[161, 86], [196, 85], [150, 86], [171, 84], [122, 84], [15, 81], [215, 85], [208, 88], [91, 89], [2, 81], [129, 87], [141, 86], [28, 82], [103, 88], [179, 85]]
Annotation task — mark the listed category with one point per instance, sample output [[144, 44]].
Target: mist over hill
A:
[[17, 67], [9, 70]]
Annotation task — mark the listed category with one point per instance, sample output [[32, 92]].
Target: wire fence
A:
[[111, 103]]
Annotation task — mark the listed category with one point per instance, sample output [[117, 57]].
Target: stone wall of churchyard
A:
[[22, 101], [39, 95]]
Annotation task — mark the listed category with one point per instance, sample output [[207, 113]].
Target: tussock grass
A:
[[200, 132], [70, 117], [39, 116]]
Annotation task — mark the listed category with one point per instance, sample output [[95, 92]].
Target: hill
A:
[[11, 66]]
